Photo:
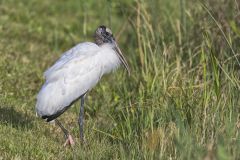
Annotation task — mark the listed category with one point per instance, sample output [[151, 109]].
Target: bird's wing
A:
[[80, 51], [72, 75]]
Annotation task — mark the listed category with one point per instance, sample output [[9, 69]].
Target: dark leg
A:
[[65, 131], [81, 118], [68, 137]]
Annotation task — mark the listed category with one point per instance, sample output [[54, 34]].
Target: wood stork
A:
[[74, 74]]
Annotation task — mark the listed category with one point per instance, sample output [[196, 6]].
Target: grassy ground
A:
[[182, 100]]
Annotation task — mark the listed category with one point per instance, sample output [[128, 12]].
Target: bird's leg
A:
[[68, 137], [81, 119]]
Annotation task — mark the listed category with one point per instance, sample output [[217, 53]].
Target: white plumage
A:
[[75, 73]]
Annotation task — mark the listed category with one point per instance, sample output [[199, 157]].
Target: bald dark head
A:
[[103, 35]]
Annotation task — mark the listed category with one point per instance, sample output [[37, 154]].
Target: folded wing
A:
[[71, 76]]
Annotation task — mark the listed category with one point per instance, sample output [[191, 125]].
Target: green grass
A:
[[182, 100]]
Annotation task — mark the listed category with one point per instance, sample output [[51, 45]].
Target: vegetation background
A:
[[182, 100]]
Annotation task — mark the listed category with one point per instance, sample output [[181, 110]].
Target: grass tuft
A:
[[182, 100]]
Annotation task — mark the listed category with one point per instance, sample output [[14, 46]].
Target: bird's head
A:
[[104, 35]]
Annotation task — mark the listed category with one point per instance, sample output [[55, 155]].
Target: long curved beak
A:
[[121, 57]]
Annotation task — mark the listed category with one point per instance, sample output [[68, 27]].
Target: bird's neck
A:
[[99, 41], [108, 58]]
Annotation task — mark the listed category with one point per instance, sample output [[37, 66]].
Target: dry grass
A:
[[181, 101]]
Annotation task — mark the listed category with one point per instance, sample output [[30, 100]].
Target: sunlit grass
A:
[[181, 101]]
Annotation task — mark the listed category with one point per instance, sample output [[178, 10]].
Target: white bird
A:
[[74, 74]]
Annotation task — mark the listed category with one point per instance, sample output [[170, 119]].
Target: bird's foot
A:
[[69, 141]]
